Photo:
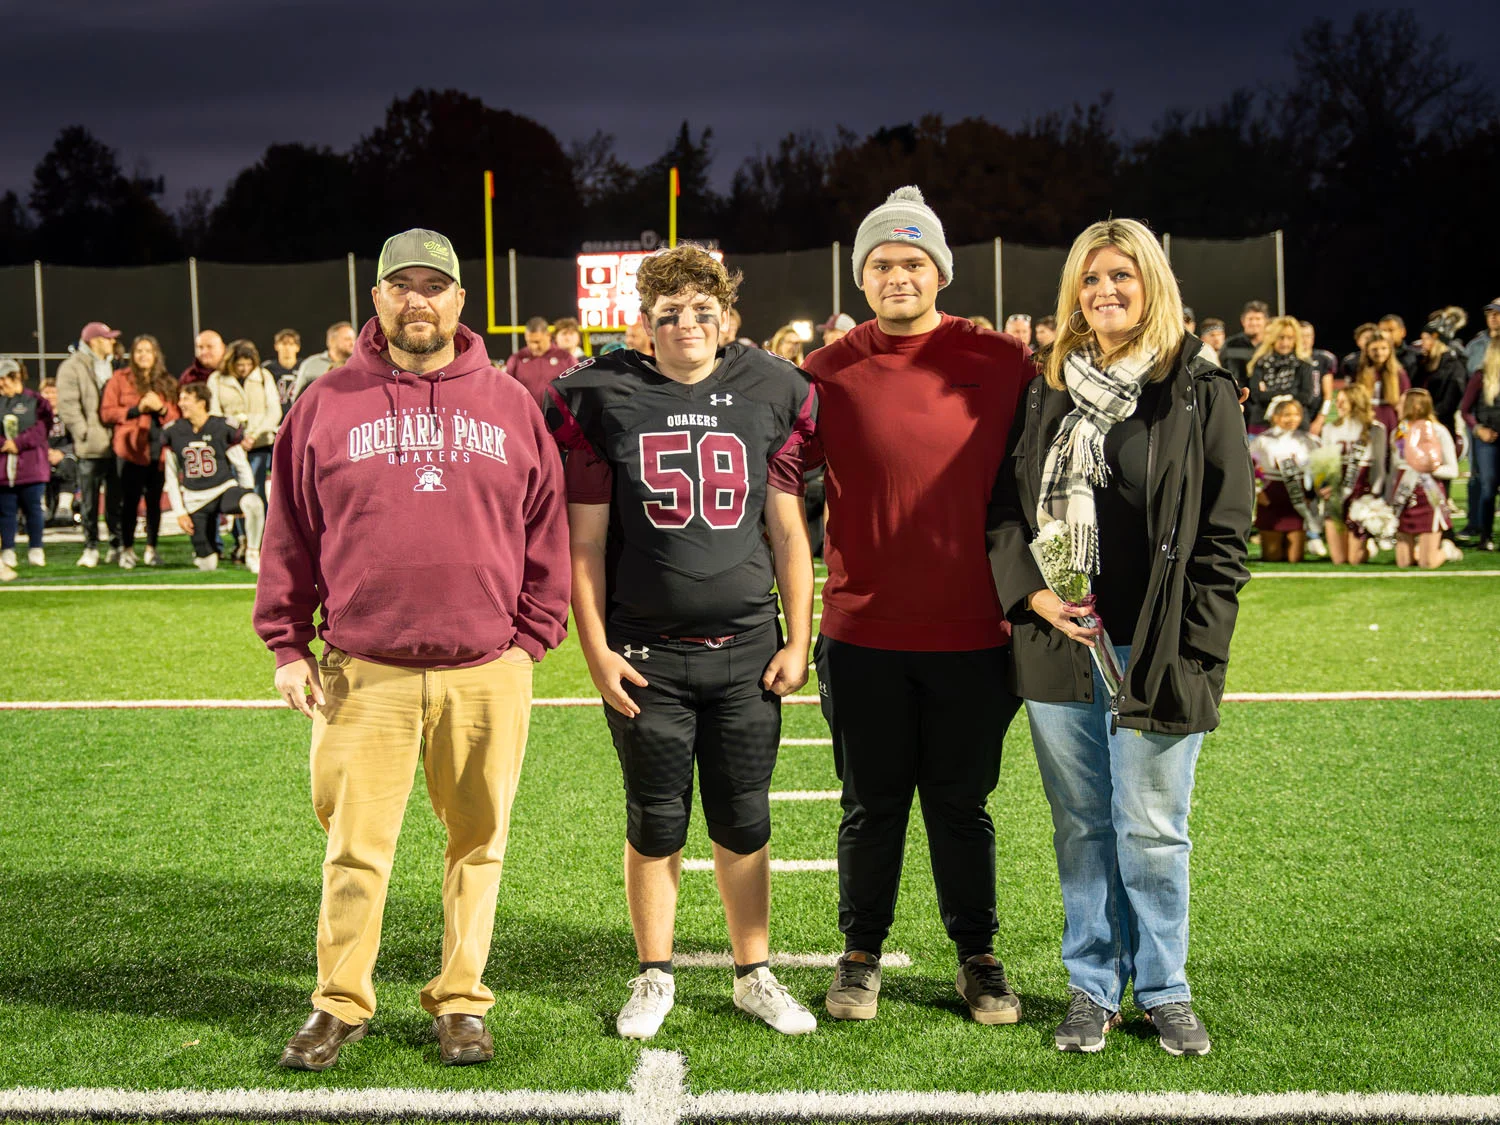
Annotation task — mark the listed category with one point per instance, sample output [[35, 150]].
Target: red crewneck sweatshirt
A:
[[914, 429], [423, 515]]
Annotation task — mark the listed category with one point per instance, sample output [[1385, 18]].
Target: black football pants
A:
[[929, 724]]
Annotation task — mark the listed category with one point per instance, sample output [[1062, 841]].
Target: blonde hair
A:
[[785, 332], [1268, 339], [1160, 330], [1490, 387], [1416, 406], [1359, 405]]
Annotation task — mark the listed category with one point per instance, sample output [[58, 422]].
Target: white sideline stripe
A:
[[593, 701], [807, 742], [1257, 575], [783, 960], [778, 866], [658, 1095], [78, 588], [805, 795]]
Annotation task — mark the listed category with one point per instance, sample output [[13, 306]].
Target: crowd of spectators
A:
[[1353, 453]]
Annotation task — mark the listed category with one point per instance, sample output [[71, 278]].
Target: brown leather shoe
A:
[[316, 1044], [463, 1040]]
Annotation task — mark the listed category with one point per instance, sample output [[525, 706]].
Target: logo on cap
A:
[[912, 231], [437, 249]]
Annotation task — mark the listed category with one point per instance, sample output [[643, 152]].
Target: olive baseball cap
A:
[[417, 247]]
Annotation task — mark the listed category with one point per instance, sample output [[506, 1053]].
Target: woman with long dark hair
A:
[[1129, 455], [139, 400]]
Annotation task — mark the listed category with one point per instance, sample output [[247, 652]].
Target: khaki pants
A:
[[468, 726]]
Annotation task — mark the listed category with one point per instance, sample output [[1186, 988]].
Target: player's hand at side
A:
[[609, 670], [298, 683], [186, 523], [786, 672]]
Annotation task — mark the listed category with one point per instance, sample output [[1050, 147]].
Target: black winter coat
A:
[[1202, 502]]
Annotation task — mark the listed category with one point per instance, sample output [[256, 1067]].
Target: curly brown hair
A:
[[685, 268]]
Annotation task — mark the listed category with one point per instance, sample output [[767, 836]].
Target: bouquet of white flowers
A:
[[1053, 550], [1374, 517]]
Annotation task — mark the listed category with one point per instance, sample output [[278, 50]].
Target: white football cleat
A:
[[766, 998], [36, 557], [652, 995]]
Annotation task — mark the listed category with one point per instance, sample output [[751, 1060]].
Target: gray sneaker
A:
[[1085, 1025], [982, 984], [1182, 1032], [855, 991]]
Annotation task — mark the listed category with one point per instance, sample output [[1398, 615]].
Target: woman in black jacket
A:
[[1135, 444]]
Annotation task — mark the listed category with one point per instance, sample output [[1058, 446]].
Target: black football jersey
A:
[[203, 463], [688, 467]]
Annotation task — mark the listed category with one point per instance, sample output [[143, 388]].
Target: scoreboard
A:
[[607, 296]]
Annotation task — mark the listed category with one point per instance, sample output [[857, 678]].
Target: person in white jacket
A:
[[245, 393]]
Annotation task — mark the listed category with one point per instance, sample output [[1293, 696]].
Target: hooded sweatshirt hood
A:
[[423, 514]]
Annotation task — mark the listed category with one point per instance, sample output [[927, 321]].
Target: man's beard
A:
[[402, 340]]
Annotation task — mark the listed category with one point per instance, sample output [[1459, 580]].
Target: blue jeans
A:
[[25, 498], [1484, 459], [1120, 815]]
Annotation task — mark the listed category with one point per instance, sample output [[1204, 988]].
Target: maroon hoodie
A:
[[536, 372], [424, 515]]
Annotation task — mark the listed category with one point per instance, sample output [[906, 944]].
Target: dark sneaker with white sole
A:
[[982, 984], [855, 992], [1085, 1025], [1181, 1031]]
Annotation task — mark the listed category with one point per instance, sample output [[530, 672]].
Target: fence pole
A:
[[836, 277], [1280, 275], [41, 327], [193, 295], [353, 295], [515, 313], [1166, 247], [999, 289]]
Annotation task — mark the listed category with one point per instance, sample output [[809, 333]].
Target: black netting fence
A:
[[254, 301]]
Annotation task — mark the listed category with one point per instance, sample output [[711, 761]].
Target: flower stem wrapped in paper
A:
[[1053, 549]]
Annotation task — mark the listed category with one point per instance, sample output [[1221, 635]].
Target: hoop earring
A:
[[1084, 331]]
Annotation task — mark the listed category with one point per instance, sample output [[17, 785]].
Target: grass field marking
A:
[[80, 588], [1352, 696], [725, 960], [1257, 575], [805, 795], [807, 742], [658, 1089], [778, 866]]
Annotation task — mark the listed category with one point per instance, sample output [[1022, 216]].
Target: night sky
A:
[[195, 90]]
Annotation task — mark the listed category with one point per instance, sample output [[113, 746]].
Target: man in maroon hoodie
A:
[[915, 410], [540, 361], [419, 508], [208, 353]]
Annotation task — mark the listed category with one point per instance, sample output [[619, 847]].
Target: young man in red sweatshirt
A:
[[915, 407], [419, 508]]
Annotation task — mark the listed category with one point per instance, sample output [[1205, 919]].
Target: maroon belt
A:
[[711, 642]]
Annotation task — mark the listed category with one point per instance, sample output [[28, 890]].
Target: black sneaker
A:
[[855, 992], [982, 984], [1182, 1032], [1085, 1025]]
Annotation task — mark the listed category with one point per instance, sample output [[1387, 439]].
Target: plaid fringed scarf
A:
[[1074, 465]]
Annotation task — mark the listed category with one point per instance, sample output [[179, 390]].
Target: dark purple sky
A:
[[196, 89]]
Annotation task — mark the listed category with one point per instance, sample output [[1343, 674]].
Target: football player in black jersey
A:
[[684, 489], [208, 476]]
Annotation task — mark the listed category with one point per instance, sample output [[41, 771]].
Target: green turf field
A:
[[159, 875]]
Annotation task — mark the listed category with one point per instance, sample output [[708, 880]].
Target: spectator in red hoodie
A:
[[540, 361], [419, 511], [208, 353]]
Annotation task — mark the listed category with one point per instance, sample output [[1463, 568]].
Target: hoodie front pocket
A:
[[424, 612]]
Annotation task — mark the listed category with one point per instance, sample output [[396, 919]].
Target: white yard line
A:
[[805, 794], [658, 1095], [593, 701], [888, 960], [111, 587], [1361, 575], [807, 742], [778, 866]]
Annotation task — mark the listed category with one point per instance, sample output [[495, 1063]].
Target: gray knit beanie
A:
[[903, 217]]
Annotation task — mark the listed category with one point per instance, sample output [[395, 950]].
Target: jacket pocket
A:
[[426, 612]]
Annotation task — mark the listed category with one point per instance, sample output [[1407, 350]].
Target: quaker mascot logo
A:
[[430, 479]]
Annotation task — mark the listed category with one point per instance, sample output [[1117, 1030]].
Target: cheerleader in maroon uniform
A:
[[1281, 455], [1361, 441], [1425, 458], [1383, 379]]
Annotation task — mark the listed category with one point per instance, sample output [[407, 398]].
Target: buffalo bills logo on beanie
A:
[[903, 217]]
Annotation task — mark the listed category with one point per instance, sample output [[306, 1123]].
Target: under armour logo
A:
[[721, 400], [642, 653]]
